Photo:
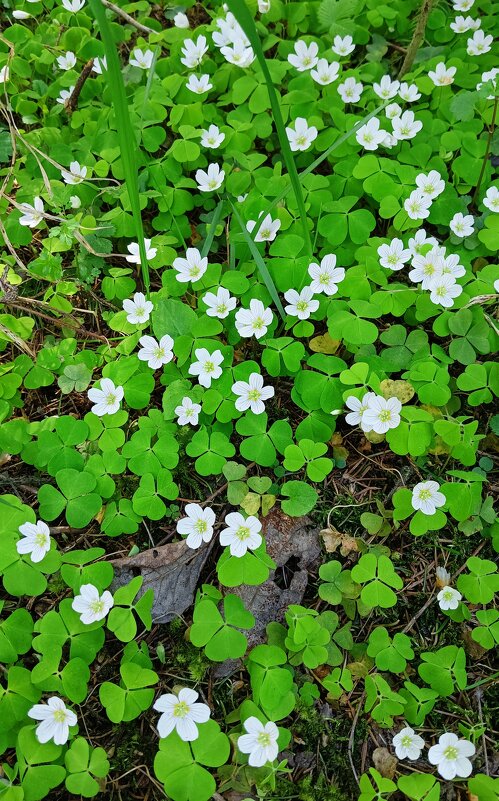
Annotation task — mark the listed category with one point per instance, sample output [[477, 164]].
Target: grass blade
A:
[[211, 228], [262, 267], [126, 136], [323, 156], [247, 23]]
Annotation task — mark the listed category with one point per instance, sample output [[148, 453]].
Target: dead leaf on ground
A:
[[385, 762], [333, 540], [171, 571], [293, 544]]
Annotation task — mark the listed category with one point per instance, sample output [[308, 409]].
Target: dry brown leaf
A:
[[333, 540], [171, 571], [385, 762]]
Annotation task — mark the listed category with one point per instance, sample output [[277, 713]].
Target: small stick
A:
[[417, 37], [72, 101], [119, 11]]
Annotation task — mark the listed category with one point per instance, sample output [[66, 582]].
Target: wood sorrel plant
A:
[[248, 284]]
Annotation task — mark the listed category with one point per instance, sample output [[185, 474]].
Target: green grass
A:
[[126, 133], [247, 23]]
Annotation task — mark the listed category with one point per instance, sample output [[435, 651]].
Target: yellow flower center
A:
[[242, 533], [180, 710], [451, 752]]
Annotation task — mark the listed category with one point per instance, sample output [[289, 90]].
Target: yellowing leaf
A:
[[401, 390], [324, 344]]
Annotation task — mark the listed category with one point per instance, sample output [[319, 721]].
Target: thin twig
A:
[[487, 150], [72, 101], [120, 13], [417, 37]]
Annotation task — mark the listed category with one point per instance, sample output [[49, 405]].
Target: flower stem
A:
[[487, 150]]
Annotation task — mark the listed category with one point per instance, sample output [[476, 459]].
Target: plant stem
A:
[[487, 150], [417, 37]]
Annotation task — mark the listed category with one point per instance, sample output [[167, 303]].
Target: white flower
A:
[[393, 110], [301, 304], [73, 5], [490, 75], [181, 713], [462, 5], [211, 180], [343, 45], [394, 255], [448, 598], [442, 75], [35, 540], [358, 407], [107, 399], [417, 205], [451, 265], [238, 53], [479, 43], [442, 577], [408, 744], [67, 61], [192, 268], [212, 137], [350, 91], [31, 214], [302, 136], [464, 24], [325, 73], [419, 240], [381, 414], [444, 290], [386, 88], [138, 310], [263, 6], [242, 198], [188, 412], [64, 95], [406, 126], [133, 249], [181, 20], [326, 276], [409, 92], [207, 367], [74, 202], [155, 353], [267, 230], [199, 85], [55, 719], [427, 267], [193, 52], [252, 394], [389, 140], [141, 58], [90, 605], [254, 320], [241, 533], [260, 742], [4, 74], [431, 185], [21, 15], [305, 57], [427, 498], [75, 175], [491, 199], [451, 756], [370, 135], [100, 65], [198, 525], [462, 225], [219, 305]]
